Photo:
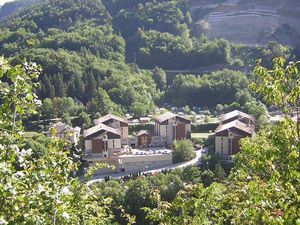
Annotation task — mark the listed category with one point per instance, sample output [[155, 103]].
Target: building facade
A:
[[64, 131], [102, 141], [144, 138], [231, 130], [172, 127], [116, 122]]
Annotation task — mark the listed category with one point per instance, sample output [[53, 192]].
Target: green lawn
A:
[[201, 135], [213, 119], [30, 134]]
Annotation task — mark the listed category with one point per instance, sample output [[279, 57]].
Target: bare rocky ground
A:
[[249, 22]]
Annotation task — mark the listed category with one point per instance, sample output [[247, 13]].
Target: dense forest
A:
[[116, 52]]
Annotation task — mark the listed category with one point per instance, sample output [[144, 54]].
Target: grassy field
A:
[[201, 135], [30, 134]]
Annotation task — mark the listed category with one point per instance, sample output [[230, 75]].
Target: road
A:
[[194, 161]]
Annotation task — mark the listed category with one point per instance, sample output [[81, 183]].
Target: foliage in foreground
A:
[[38, 189], [264, 186]]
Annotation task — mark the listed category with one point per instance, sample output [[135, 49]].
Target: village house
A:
[[116, 122], [64, 131], [102, 141], [172, 127], [237, 115], [144, 138], [232, 128]]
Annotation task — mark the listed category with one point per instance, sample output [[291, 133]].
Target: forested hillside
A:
[[96, 49]]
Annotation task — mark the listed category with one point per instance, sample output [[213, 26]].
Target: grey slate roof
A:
[[98, 128], [236, 124], [237, 113], [108, 117], [169, 115]]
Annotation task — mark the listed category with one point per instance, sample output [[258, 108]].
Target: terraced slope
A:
[[249, 22]]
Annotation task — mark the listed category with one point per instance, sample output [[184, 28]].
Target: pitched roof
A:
[[238, 114], [61, 128], [167, 116], [141, 132], [98, 128], [108, 117], [236, 124]]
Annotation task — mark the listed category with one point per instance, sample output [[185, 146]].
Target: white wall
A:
[[114, 143], [218, 145], [136, 163], [170, 131], [124, 132], [162, 130], [188, 128], [88, 144]]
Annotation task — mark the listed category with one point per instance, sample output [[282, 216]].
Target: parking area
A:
[[151, 151]]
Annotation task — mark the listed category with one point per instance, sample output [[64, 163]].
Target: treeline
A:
[[220, 87], [83, 47], [132, 196]]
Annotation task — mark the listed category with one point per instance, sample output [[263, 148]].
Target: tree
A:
[[84, 119], [219, 108], [102, 103], [91, 86], [138, 195], [234, 106], [191, 174], [160, 78], [66, 119], [183, 151], [37, 190], [47, 110], [220, 173], [59, 86], [186, 109]]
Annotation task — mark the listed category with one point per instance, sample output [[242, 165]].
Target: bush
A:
[[183, 151]]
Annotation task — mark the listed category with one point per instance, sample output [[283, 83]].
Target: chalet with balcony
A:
[[116, 122], [172, 127], [233, 127], [102, 141]]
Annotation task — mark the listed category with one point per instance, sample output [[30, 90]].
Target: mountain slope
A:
[[249, 22], [10, 7]]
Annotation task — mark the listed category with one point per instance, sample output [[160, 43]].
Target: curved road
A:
[[194, 161]]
